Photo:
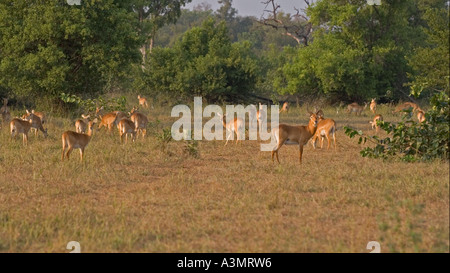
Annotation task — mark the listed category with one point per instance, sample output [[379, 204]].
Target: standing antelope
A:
[[421, 115], [285, 107], [325, 128], [373, 106], [140, 122], [4, 111], [36, 123], [73, 140], [374, 122], [19, 126], [232, 127], [294, 134], [405, 106], [355, 107], [259, 113], [119, 116], [81, 124], [142, 101], [126, 127], [108, 121], [99, 112]]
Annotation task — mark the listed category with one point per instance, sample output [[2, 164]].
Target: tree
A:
[[226, 11], [152, 15], [49, 47], [430, 62], [297, 26], [204, 63], [358, 51]]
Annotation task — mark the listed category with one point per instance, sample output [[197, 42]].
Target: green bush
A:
[[410, 140]]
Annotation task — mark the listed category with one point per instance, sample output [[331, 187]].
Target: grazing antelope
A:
[[405, 106], [81, 124], [73, 140], [126, 127], [325, 128], [355, 107], [140, 122], [19, 126], [373, 106], [421, 115], [374, 122], [142, 101], [294, 134], [285, 107], [36, 123], [232, 127]]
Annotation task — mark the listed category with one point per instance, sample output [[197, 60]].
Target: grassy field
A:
[[142, 197]]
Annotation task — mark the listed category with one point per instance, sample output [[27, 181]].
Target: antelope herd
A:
[[135, 123]]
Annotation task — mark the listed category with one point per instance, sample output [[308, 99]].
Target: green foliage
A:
[[89, 105], [164, 137], [191, 148], [49, 46], [431, 62], [409, 140], [203, 63], [358, 51]]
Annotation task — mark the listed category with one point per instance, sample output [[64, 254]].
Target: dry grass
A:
[[141, 198]]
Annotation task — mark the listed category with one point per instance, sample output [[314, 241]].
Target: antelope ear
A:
[[28, 111], [32, 111]]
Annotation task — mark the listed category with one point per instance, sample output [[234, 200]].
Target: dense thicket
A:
[[204, 63]]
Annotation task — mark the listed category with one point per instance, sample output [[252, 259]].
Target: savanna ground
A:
[[142, 197]]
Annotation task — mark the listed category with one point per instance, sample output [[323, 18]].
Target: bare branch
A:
[[292, 26]]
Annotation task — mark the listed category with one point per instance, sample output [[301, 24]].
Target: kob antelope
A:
[[405, 106], [325, 128], [126, 127], [294, 135], [73, 140], [355, 107], [19, 126], [140, 122], [4, 111], [421, 115], [36, 123], [81, 124], [41, 115], [259, 113], [374, 122], [108, 121], [285, 107], [142, 101], [373, 106], [99, 111], [119, 116], [234, 126]]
